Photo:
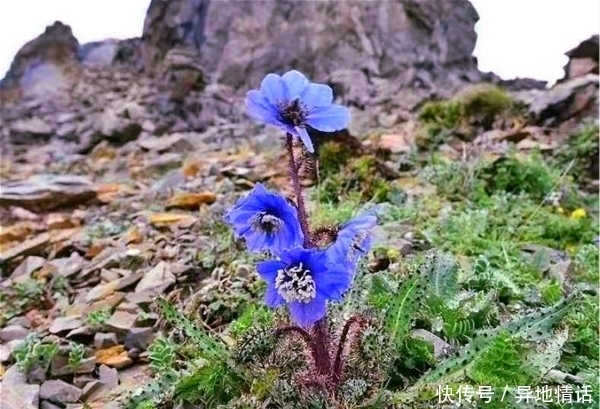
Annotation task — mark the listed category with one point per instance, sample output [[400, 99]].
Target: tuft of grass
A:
[[475, 108]]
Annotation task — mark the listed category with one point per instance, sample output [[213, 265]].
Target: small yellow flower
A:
[[571, 249], [560, 210], [578, 214]]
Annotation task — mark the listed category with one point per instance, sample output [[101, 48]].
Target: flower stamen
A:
[[266, 223], [292, 113], [295, 283]]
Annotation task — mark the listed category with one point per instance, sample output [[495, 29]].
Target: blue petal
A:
[[272, 297], [268, 270], [305, 138], [317, 95], [258, 106], [256, 241], [273, 89], [333, 283], [294, 84], [306, 314], [330, 118]]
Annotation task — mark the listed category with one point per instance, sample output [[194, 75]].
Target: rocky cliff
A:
[[195, 59]]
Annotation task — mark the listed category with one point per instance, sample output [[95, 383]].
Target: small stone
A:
[[28, 266], [157, 279], [89, 389], [139, 338], [20, 395], [108, 376], [134, 353], [13, 332], [85, 330], [104, 340], [115, 357], [404, 246], [142, 299], [21, 321], [63, 324], [108, 303], [81, 380], [60, 366], [58, 391], [121, 321], [5, 352]]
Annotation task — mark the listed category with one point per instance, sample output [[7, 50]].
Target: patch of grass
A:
[[474, 108], [582, 148]]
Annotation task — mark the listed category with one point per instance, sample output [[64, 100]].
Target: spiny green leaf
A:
[[441, 272], [546, 355], [399, 317], [534, 327]]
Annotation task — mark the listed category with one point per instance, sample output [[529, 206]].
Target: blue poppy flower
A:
[[292, 103], [266, 220], [305, 281], [353, 240]]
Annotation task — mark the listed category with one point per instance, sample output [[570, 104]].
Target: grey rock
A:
[[13, 376], [121, 321], [157, 279], [55, 46], [105, 340], [173, 23], [31, 128], [13, 332], [559, 103], [47, 192], [19, 396], [108, 376], [63, 324], [60, 366], [48, 405], [177, 143], [58, 391], [28, 266], [139, 338], [5, 352]]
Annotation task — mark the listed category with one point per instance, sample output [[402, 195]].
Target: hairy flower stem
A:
[[292, 328], [321, 348], [294, 170], [320, 340], [338, 365]]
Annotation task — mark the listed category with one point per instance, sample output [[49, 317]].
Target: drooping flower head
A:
[[353, 240], [304, 280], [292, 103], [266, 220]]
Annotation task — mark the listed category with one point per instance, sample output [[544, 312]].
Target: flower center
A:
[[292, 113], [294, 283], [266, 223]]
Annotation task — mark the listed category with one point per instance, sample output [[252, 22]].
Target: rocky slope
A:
[[110, 148]]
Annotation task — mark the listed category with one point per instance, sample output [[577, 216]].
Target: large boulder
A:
[[43, 66], [583, 59]]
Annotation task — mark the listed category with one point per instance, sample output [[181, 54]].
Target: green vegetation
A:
[[476, 108], [499, 290], [32, 353]]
